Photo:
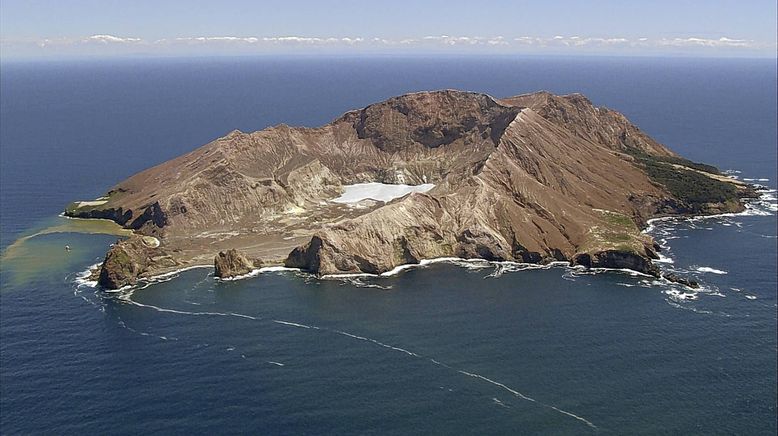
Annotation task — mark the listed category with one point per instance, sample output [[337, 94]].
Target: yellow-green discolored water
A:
[[43, 250]]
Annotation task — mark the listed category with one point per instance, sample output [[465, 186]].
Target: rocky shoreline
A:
[[234, 264]]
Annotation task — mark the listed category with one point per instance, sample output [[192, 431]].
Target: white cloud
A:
[[206, 39], [703, 42], [113, 44], [448, 40], [105, 39]]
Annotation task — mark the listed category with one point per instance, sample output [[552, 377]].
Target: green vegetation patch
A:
[[618, 220], [618, 232], [82, 207], [122, 258], [694, 189], [73, 207], [690, 164], [603, 238], [691, 187], [643, 157]]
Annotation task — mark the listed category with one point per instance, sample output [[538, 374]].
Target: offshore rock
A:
[[233, 263], [675, 278], [615, 259], [125, 262]]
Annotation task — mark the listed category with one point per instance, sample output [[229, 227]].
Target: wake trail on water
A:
[[126, 298], [470, 374], [294, 324], [524, 397]]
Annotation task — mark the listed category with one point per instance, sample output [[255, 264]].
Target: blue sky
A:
[[107, 27]]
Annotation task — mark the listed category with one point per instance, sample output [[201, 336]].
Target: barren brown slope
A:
[[541, 194], [600, 125], [531, 178]]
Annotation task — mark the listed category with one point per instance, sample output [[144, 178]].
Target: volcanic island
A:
[[535, 178]]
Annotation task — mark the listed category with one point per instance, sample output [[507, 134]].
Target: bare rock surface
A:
[[233, 263], [129, 259], [530, 178]]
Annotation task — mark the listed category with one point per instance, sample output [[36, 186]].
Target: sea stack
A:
[[232, 263]]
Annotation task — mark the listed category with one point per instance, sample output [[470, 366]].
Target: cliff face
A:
[[531, 178]]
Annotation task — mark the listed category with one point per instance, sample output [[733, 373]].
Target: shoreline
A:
[[750, 209], [748, 204], [688, 293], [456, 261]]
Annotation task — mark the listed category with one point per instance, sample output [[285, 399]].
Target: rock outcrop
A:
[[531, 178], [617, 259], [233, 263], [675, 278], [125, 262]]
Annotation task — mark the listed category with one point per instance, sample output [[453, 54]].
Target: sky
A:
[[56, 28]]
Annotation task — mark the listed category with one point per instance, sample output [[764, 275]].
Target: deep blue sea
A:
[[467, 348]]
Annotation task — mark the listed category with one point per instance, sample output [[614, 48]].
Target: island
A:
[[534, 178]]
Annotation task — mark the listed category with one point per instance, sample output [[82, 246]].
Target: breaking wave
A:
[[82, 278], [257, 271]]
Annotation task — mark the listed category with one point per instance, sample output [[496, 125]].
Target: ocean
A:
[[444, 348]]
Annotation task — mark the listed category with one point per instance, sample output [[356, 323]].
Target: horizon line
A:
[[381, 54], [108, 45]]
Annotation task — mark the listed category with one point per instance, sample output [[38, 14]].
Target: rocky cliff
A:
[[531, 178]]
